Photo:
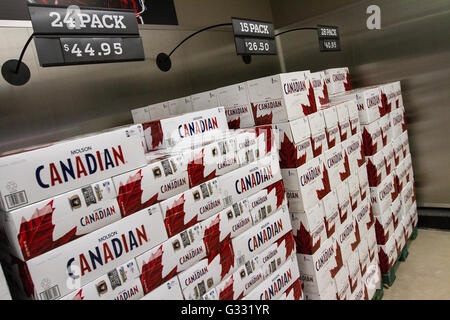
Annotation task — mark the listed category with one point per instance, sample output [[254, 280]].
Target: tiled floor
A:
[[426, 272]]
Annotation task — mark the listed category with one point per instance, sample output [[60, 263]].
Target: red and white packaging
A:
[[358, 294], [32, 175], [400, 176], [376, 168], [180, 106], [372, 139], [389, 158], [386, 129], [121, 283], [294, 292], [344, 205], [338, 80], [354, 273], [273, 287], [399, 240], [157, 181], [309, 229], [152, 112], [406, 225], [171, 257], [328, 293], [397, 212], [397, 92], [407, 162], [237, 105], [387, 254], [363, 218], [247, 180], [282, 97], [66, 268], [346, 239], [261, 236], [319, 141], [4, 290], [387, 97], [355, 125], [397, 118], [46, 225], [363, 178], [255, 143], [343, 120], [277, 254], [181, 131], [364, 259], [407, 196], [372, 245], [204, 100], [186, 209], [384, 227], [267, 201], [342, 284], [337, 164], [315, 269], [206, 274], [226, 225], [318, 82], [381, 197], [330, 116], [371, 280], [330, 213], [398, 151], [414, 215], [354, 192], [295, 143], [405, 143], [353, 146], [169, 290]]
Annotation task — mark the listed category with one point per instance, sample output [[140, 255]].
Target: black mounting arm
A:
[[296, 29]]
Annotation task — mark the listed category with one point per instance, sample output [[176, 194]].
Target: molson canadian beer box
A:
[[169, 290], [347, 239], [327, 294], [330, 117], [407, 163], [32, 175], [274, 285], [364, 190], [387, 254], [397, 211], [376, 168], [59, 272], [186, 129], [386, 129], [398, 122], [342, 284], [46, 225], [294, 292], [4, 290], [331, 213], [344, 205], [309, 229], [408, 196], [157, 181], [318, 82], [388, 97], [306, 185], [337, 164], [261, 236], [204, 100], [355, 125], [295, 143], [389, 158], [384, 227], [372, 244], [399, 240], [371, 280], [267, 201], [186, 209], [151, 112], [121, 283], [247, 180], [255, 143], [354, 191], [353, 147], [381, 197], [318, 136], [372, 138], [364, 218], [237, 105], [165, 261], [180, 106], [354, 273], [343, 120], [281, 98], [405, 143], [399, 155], [338, 80], [364, 259]]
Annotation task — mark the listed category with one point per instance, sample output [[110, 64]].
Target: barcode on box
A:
[[227, 201], [50, 294], [16, 199]]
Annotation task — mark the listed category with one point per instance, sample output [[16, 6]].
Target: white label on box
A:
[[169, 290]]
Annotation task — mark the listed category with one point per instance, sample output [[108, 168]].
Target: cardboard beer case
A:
[[407, 163], [372, 244], [151, 112], [405, 143], [386, 129], [338, 80], [267, 201], [282, 97], [236, 101], [318, 135], [354, 273], [387, 255], [330, 116], [255, 143], [371, 280], [309, 229], [337, 164], [159, 180], [343, 120], [384, 227], [387, 97], [355, 125], [399, 156], [363, 179], [180, 106], [389, 158], [407, 195], [376, 168], [381, 197], [397, 211], [180, 131], [399, 239], [329, 293], [398, 124], [294, 145], [294, 292], [121, 283], [57, 273], [372, 139], [204, 100], [273, 286], [364, 259], [259, 237], [353, 147], [354, 192], [347, 239], [165, 261], [318, 82], [46, 225], [169, 290], [33, 175], [342, 285], [363, 218], [330, 213], [197, 204], [344, 205]]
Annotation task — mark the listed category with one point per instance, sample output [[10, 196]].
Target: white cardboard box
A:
[[354, 272], [376, 168], [330, 213], [267, 201], [389, 158], [384, 227], [387, 255], [355, 125], [338, 165], [386, 129], [204, 100], [318, 82], [169, 290], [397, 117], [342, 284], [353, 146], [344, 120], [338, 80], [237, 105], [372, 139], [318, 136], [180, 106], [381, 197], [330, 116], [344, 205]]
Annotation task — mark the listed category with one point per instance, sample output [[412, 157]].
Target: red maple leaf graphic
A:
[[226, 260], [386, 106], [397, 185], [404, 152], [354, 205], [363, 194], [267, 119], [347, 84], [371, 255], [297, 287], [339, 261], [196, 170], [151, 276], [372, 219], [288, 155], [343, 135], [326, 97], [312, 107], [383, 138], [330, 232], [288, 239], [344, 175], [155, 131], [331, 143], [316, 151], [267, 130], [413, 198], [366, 293], [353, 129], [228, 292], [279, 191], [79, 295], [396, 159], [395, 220], [304, 241], [357, 238], [175, 215], [234, 124], [404, 128], [326, 185], [36, 235], [382, 236], [342, 216], [385, 264], [372, 174], [363, 270], [353, 285], [362, 158], [211, 236], [369, 147], [388, 167]]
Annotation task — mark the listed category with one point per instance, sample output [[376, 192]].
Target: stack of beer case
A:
[[4, 289], [388, 164]]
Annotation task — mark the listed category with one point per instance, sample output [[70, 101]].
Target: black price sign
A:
[[329, 45], [329, 39], [253, 37], [255, 46], [252, 28]]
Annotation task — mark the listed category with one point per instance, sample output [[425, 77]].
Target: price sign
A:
[[252, 28], [255, 46], [329, 39], [253, 37], [329, 45]]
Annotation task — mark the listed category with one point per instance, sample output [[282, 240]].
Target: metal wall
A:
[[65, 101], [412, 46]]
